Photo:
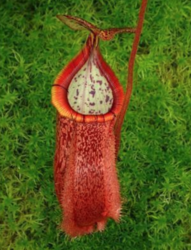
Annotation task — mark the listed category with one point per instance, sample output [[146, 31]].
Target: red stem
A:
[[121, 116]]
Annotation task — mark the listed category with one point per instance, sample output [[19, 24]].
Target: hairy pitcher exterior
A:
[[89, 100], [85, 175]]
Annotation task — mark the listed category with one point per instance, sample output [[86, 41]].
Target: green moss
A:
[[154, 163]]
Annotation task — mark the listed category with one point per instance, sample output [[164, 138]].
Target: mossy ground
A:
[[154, 163]]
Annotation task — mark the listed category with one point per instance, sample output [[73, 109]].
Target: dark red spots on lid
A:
[[100, 82], [92, 93], [107, 98], [92, 103], [91, 78]]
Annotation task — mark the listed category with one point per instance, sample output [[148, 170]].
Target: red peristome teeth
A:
[[87, 89], [85, 175]]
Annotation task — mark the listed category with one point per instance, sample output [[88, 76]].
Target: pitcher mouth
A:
[[87, 90]]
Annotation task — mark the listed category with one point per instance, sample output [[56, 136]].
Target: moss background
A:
[[154, 163]]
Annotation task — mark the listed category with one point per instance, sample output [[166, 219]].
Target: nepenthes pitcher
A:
[[91, 105]]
